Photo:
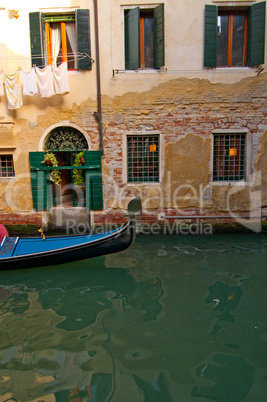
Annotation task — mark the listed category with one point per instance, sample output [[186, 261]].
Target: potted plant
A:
[[78, 177], [50, 159]]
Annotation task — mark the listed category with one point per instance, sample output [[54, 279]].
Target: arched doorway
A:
[[68, 143]]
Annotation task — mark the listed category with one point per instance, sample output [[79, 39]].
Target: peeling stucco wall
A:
[[183, 111]]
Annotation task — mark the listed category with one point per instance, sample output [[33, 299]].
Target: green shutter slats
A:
[[159, 52], [37, 38], [93, 180], [210, 44], [83, 38], [132, 39], [38, 181], [256, 34]]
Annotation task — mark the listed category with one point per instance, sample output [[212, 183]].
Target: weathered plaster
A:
[[186, 170], [261, 168]]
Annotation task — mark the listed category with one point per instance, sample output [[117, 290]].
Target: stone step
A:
[[70, 218]]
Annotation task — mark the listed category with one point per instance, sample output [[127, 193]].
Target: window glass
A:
[[231, 39], [222, 41], [238, 40], [147, 38]]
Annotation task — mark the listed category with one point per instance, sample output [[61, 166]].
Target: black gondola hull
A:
[[117, 241]]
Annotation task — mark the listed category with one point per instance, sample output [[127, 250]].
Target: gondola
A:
[[31, 252]]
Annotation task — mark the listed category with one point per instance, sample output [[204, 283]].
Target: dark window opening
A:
[[229, 157], [146, 39], [143, 158], [232, 39], [6, 166]]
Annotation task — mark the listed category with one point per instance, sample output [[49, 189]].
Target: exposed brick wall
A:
[[21, 219], [175, 109]]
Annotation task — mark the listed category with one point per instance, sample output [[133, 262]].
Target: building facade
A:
[[166, 101]]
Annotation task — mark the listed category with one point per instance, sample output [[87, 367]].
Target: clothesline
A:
[[48, 81], [41, 55], [72, 57]]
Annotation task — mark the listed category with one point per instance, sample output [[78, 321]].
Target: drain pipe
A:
[[98, 114]]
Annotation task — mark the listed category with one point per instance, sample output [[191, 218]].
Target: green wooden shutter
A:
[[38, 181], [37, 37], [256, 34], [159, 53], [82, 17], [132, 39], [93, 180], [210, 44]]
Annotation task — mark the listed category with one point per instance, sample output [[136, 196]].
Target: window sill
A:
[[144, 183], [235, 69], [230, 183], [8, 178], [138, 71]]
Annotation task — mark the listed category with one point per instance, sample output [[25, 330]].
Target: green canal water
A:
[[173, 318]]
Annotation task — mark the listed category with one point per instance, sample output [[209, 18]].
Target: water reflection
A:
[[169, 317], [225, 299], [231, 378]]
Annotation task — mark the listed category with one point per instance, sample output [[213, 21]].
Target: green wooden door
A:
[[38, 181], [93, 180], [43, 189]]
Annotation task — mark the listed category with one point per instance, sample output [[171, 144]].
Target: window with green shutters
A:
[[73, 31], [143, 158], [234, 37], [229, 162], [144, 38]]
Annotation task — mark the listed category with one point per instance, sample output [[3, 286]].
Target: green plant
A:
[[50, 158], [78, 177]]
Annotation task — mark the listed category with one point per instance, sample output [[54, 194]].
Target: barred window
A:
[[6, 166], [143, 158], [229, 157]]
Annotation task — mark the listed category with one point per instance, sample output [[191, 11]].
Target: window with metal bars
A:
[[229, 157], [6, 166], [143, 158]]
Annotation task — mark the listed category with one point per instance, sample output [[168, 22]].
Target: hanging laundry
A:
[[13, 90], [1, 84], [45, 81], [61, 79], [29, 83]]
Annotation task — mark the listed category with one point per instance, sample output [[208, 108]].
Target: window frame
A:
[[37, 30], [247, 155], [230, 13], [125, 157], [4, 153], [62, 19], [148, 7], [255, 39]]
